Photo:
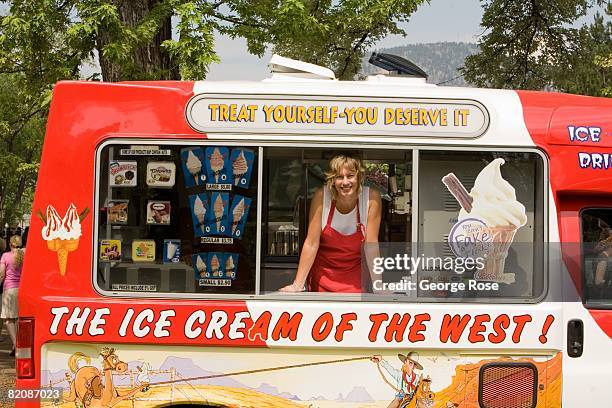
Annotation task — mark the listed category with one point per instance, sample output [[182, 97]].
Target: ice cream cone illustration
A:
[[218, 210], [194, 165], [201, 266], [237, 215], [214, 265], [239, 167], [229, 266], [62, 235], [199, 211], [492, 204], [217, 163]]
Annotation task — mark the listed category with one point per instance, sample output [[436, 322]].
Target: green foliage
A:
[[22, 121], [44, 41], [331, 34], [134, 40], [533, 45]]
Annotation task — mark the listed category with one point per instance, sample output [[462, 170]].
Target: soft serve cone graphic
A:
[[218, 209], [194, 165], [237, 215], [239, 167], [493, 201], [62, 235], [229, 266], [214, 265], [216, 163], [200, 212]]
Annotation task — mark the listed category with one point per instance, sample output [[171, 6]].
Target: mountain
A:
[[440, 60], [358, 394], [272, 390]]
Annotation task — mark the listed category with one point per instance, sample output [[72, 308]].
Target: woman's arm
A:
[[374, 215], [311, 244], [371, 249], [2, 270]]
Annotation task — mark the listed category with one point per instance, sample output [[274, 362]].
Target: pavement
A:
[[7, 368]]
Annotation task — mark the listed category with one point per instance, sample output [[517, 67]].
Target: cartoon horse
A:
[[423, 396], [87, 387]]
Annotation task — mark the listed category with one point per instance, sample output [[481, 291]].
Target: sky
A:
[[440, 20]]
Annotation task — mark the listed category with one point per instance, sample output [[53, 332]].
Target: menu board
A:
[[220, 208]]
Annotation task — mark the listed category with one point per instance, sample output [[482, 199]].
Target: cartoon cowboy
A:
[[405, 380]]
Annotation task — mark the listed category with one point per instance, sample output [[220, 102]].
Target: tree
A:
[[587, 70], [44, 41], [20, 145], [533, 45], [133, 39]]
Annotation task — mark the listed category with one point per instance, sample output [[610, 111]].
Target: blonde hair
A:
[[336, 164], [15, 243]]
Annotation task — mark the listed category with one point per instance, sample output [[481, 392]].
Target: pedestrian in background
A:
[[10, 274]]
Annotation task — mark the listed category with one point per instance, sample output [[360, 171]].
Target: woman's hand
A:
[[293, 288]]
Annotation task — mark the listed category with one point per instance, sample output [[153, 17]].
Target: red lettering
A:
[[260, 327], [417, 327], [520, 321], [453, 327], [322, 326], [377, 321], [397, 327], [477, 328], [287, 326], [500, 324], [345, 325]]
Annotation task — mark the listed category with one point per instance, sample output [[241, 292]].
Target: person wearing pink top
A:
[[10, 273]]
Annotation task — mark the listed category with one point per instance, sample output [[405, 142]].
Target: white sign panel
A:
[[340, 116]]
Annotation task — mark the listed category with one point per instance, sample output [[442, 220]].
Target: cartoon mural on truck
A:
[[230, 377]]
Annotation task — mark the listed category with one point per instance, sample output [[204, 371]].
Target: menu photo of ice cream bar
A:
[[199, 214], [192, 162], [239, 212], [122, 173], [158, 212], [172, 251], [242, 166], [161, 174], [117, 211], [217, 167], [143, 250], [110, 250], [218, 221]]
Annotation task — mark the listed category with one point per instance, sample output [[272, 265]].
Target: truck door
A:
[[586, 227]]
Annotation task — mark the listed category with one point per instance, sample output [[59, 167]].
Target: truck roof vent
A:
[[285, 69], [397, 65]]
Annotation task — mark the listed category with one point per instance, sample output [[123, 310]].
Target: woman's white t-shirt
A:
[[346, 223]]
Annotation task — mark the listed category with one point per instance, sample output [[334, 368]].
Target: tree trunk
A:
[[147, 62]]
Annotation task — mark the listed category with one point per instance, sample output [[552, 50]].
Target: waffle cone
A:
[[54, 244], [71, 244], [62, 260], [501, 240]]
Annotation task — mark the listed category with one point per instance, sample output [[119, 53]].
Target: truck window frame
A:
[[260, 144]]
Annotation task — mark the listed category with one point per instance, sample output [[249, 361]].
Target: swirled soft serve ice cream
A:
[[494, 199], [62, 235], [490, 214]]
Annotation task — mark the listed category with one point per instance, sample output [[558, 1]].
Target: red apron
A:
[[337, 267]]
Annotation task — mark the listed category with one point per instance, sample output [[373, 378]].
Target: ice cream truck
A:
[[168, 216]]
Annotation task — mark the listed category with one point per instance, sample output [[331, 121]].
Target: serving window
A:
[[177, 219], [190, 219]]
